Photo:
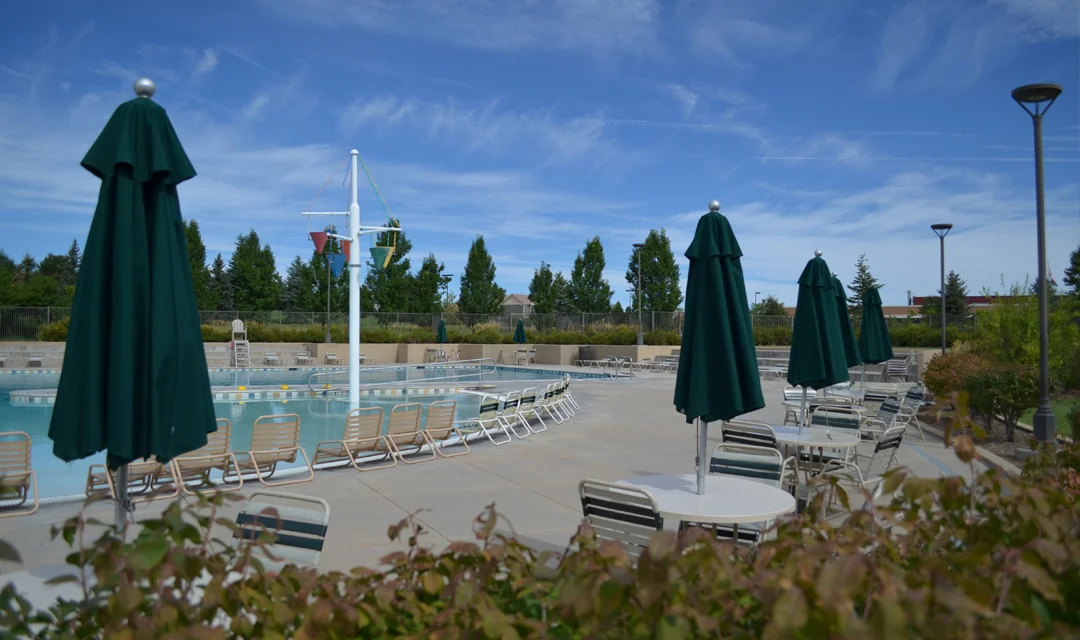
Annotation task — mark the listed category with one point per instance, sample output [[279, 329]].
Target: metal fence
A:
[[25, 323]]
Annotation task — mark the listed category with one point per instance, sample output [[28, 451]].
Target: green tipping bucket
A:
[[380, 256]]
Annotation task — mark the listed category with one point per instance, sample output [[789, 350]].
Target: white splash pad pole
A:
[[354, 289]]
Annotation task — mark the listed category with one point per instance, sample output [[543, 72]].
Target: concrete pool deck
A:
[[625, 428]]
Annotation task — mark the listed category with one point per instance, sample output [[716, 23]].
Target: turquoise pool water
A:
[[320, 419]]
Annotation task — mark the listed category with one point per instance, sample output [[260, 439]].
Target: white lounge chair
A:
[[487, 422], [362, 436], [526, 410], [404, 431], [18, 481], [274, 439]]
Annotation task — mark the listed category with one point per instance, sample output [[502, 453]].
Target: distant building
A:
[[517, 304], [975, 302]]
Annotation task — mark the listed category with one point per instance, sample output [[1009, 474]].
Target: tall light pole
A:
[[640, 336], [446, 289], [942, 230], [756, 294], [1036, 100]]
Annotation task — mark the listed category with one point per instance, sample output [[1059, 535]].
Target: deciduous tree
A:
[[660, 289], [542, 289], [590, 290]]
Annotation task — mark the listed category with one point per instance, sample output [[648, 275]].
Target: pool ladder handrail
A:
[[479, 363]]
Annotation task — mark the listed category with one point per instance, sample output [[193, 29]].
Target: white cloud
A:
[[597, 26], [207, 62], [733, 33]]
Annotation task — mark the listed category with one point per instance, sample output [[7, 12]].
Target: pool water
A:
[[320, 419]]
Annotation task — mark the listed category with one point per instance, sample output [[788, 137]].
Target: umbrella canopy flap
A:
[[519, 333], [441, 335], [718, 372], [875, 346], [134, 381], [817, 358], [847, 333]]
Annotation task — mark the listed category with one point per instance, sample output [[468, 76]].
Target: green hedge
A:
[[941, 558], [905, 336]]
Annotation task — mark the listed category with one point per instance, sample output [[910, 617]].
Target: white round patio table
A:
[[727, 499], [837, 438]]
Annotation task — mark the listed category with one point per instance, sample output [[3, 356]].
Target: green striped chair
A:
[[867, 480], [623, 514], [527, 409], [487, 422], [509, 416]]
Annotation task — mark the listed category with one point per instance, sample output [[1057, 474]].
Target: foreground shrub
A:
[[55, 331], [995, 559], [1055, 465]]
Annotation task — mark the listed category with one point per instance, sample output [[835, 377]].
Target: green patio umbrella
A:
[[851, 347], [134, 382], [519, 333], [718, 373], [817, 359], [875, 345], [440, 335]]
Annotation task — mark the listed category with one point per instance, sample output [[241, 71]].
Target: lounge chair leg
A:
[[461, 439]]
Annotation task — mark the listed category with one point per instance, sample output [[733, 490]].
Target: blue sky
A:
[[542, 123]]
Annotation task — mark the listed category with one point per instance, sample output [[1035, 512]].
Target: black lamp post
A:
[[1036, 100], [756, 294], [640, 337], [942, 230], [446, 289]]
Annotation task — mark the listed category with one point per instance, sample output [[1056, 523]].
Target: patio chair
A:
[[548, 403], [521, 356], [913, 401], [439, 427], [296, 524], [509, 417], [361, 436], [3, 360], [620, 513], [18, 481], [331, 358], [748, 433], [275, 439], [887, 416], [143, 479], [404, 431], [532, 357], [214, 455], [569, 396], [899, 367], [795, 394], [271, 358], [834, 417], [35, 360], [759, 464], [487, 422], [302, 357], [527, 409], [870, 478]]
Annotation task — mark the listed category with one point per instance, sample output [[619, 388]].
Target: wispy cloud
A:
[[735, 33], [597, 26], [207, 62]]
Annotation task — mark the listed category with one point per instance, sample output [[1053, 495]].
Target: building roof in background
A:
[[918, 301], [517, 298]]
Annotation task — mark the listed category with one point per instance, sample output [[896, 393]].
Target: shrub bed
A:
[[943, 559]]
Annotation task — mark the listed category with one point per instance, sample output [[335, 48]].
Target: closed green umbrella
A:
[[134, 382], [817, 359], [519, 333], [718, 372], [440, 335], [851, 347], [875, 345]]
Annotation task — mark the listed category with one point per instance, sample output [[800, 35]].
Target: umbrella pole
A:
[[802, 411], [702, 445], [121, 509], [863, 381]]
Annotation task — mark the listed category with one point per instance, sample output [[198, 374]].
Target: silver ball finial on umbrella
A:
[[817, 253], [834, 274], [714, 206], [145, 87]]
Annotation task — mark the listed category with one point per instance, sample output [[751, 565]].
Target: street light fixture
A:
[[942, 230], [1036, 100], [446, 289], [756, 294], [640, 337]]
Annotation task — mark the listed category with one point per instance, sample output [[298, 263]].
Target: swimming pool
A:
[[320, 419]]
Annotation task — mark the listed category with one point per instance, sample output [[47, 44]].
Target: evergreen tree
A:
[[57, 267], [74, 256], [618, 308], [221, 289], [389, 289], [861, 283], [200, 274], [428, 286], [659, 274], [770, 305], [479, 291], [1072, 272], [298, 293], [590, 291], [956, 305], [564, 298], [542, 289], [253, 274], [1051, 287], [27, 267]]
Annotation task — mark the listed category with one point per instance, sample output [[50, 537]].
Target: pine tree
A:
[[479, 291], [298, 292], [659, 274], [221, 289], [542, 290], [564, 298], [253, 274], [1051, 287], [590, 291], [390, 288], [956, 305], [1072, 272], [428, 286], [618, 308], [74, 257], [861, 283], [200, 274]]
